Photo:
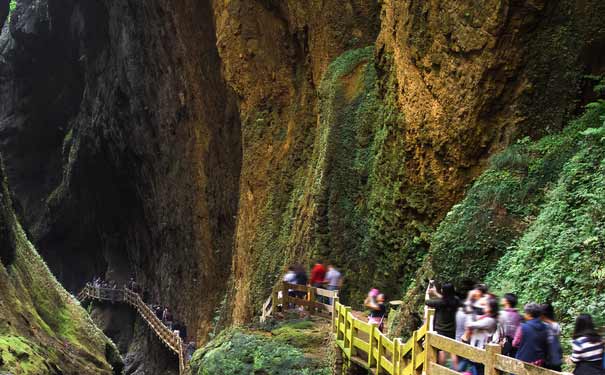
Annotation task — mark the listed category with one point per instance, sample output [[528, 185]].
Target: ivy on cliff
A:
[[343, 198], [559, 257]]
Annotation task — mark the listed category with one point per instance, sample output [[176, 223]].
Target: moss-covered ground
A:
[[291, 347]]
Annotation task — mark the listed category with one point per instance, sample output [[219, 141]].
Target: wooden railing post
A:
[[430, 353], [378, 335], [429, 320], [490, 364], [340, 322], [348, 330], [416, 349], [397, 344], [371, 360], [285, 298], [335, 315], [311, 298]]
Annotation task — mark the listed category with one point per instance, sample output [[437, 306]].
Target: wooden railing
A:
[[286, 296], [165, 334], [363, 344]]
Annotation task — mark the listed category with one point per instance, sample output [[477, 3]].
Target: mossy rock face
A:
[[502, 203], [349, 202], [560, 257], [43, 329], [292, 348], [531, 224]]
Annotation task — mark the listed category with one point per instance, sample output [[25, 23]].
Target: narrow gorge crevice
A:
[[123, 148]]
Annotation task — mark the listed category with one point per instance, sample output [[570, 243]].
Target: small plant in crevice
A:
[[12, 5]]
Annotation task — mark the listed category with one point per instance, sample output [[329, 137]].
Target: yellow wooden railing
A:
[[364, 345], [166, 336], [311, 299]]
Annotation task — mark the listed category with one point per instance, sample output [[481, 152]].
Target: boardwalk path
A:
[[360, 344], [165, 335]]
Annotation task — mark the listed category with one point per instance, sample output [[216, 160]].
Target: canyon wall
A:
[[122, 143], [397, 131], [203, 146]]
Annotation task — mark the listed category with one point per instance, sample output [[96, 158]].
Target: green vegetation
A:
[[347, 200], [303, 334], [18, 353], [40, 323], [12, 5], [559, 257], [289, 349], [533, 222]]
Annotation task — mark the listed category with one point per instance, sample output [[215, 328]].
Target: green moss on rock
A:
[[43, 329], [239, 351], [559, 256]]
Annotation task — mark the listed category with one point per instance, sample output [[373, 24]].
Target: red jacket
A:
[[318, 274]]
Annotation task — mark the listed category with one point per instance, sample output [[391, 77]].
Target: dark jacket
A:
[[534, 341], [445, 315]]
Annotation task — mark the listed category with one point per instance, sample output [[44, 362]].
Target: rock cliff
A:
[[202, 146], [43, 329]]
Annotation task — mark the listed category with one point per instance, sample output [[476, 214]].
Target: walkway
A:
[[363, 345], [166, 336]]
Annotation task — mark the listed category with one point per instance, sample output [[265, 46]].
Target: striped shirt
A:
[[584, 350]]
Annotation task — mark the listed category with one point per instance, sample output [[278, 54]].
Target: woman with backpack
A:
[[509, 321], [587, 347]]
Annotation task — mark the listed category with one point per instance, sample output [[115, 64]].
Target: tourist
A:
[[479, 331], [375, 302], [587, 347], [475, 300], [509, 321], [301, 279], [554, 354], [531, 338], [446, 305], [190, 350], [333, 280], [167, 318], [158, 311], [460, 364], [290, 276], [183, 331], [318, 275], [318, 279]]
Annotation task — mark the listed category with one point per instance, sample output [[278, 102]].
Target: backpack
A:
[[554, 353], [505, 342]]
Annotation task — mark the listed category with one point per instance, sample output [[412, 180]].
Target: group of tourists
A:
[[324, 277], [532, 335]]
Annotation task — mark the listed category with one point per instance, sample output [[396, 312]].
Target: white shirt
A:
[[333, 277]]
